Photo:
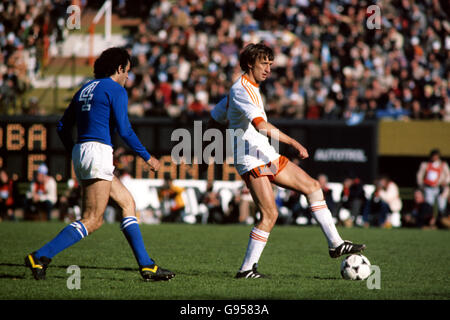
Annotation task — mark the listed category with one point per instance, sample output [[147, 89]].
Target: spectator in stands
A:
[[353, 199], [385, 199], [213, 202], [233, 213], [434, 177], [122, 162], [241, 208], [6, 196], [326, 53], [69, 202], [196, 44], [27, 29], [42, 194], [172, 202], [327, 193], [421, 215], [331, 110], [294, 204], [7, 95]]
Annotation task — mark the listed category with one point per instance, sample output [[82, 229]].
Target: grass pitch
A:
[[414, 264]]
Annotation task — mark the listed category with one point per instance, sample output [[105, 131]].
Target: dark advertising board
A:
[[334, 148], [338, 150]]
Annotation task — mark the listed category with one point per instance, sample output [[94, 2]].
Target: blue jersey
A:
[[99, 109]]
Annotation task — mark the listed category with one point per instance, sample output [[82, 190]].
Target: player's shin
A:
[[323, 216], [132, 232], [70, 235]]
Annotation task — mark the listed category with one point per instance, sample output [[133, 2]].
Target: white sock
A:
[[256, 244], [323, 216]]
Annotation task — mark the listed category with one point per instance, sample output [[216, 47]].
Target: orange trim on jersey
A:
[[251, 94], [270, 170], [251, 89], [253, 83], [257, 121]]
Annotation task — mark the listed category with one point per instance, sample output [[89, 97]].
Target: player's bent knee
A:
[[269, 218], [315, 195], [312, 187]]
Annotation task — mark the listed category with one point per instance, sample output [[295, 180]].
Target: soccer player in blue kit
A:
[[99, 109]]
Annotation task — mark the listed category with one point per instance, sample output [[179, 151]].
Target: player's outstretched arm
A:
[[270, 130]]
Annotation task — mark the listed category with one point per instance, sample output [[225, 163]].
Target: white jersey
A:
[[251, 148]]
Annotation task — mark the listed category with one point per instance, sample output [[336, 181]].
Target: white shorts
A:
[[93, 160]]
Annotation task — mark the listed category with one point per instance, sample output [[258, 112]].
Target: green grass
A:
[[414, 264]]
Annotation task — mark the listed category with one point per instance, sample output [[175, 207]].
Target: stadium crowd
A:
[[329, 63], [27, 28]]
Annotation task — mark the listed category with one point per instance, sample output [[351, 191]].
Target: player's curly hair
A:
[[110, 61], [252, 52]]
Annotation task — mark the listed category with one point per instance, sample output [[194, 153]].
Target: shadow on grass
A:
[[80, 266], [324, 278], [188, 273], [11, 276], [15, 276]]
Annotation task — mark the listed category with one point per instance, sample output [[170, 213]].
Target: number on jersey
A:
[[86, 96]]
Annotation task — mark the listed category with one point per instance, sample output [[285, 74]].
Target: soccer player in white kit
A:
[[259, 164]]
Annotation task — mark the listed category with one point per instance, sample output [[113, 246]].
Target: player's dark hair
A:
[[252, 52], [110, 61]]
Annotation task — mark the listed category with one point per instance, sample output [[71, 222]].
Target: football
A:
[[355, 267]]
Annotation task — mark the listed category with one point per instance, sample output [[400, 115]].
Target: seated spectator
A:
[[385, 200], [233, 214], [211, 200], [299, 212], [69, 202], [6, 196], [327, 193], [331, 110], [241, 209], [421, 215], [172, 202], [285, 215], [352, 199], [42, 195]]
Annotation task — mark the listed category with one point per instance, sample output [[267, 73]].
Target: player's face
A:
[[434, 158], [262, 68], [123, 74]]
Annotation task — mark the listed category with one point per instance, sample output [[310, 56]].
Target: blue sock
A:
[[68, 236], [130, 229]]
